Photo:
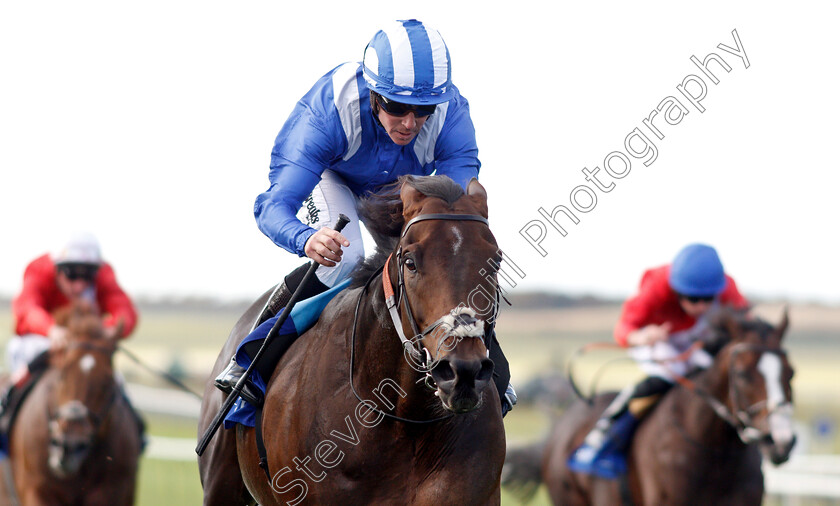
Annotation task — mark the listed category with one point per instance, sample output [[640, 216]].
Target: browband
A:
[[444, 216]]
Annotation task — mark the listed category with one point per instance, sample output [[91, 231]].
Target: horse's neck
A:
[[381, 363], [696, 416]]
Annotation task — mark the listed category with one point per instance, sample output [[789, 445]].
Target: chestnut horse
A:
[[75, 439], [356, 413], [703, 442]]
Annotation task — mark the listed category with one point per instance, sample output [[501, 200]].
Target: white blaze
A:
[[86, 363], [770, 366], [459, 239]]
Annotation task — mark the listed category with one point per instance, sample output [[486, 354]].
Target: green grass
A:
[[164, 482]]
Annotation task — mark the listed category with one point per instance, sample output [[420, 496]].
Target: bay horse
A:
[[702, 444], [358, 413], [75, 439]]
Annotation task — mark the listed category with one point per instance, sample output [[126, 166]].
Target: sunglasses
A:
[[86, 272], [695, 300], [399, 109]]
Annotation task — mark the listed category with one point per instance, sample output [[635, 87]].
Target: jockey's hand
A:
[[111, 333], [58, 337], [325, 246], [649, 335]]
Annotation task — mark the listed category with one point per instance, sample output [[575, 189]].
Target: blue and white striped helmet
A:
[[408, 62]]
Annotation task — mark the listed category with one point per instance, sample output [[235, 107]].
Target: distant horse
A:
[[358, 413], [701, 445], [75, 439]]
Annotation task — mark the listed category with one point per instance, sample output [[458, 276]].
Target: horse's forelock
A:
[[382, 213]]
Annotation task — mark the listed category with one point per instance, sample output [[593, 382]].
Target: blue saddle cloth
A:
[[303, 317]]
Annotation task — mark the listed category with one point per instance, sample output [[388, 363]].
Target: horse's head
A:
[[443, 274], [85, 389], [759, 385]]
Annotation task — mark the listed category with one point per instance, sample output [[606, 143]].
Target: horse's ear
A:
[[411, 198], [781, 329], [730, 323], [478, 194]]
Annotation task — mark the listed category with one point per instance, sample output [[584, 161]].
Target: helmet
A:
[[80, 248], [697, 272], [408, 62]]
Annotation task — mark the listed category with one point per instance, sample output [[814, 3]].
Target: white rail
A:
[[804, 475]]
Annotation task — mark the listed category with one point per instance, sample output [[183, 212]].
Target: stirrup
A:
[[227, 379]]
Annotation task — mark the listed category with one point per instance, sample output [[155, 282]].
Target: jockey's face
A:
[[74, 283], [695, 307], [401, 129]]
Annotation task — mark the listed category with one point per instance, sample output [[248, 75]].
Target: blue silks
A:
[[303, 317], [609, 461]]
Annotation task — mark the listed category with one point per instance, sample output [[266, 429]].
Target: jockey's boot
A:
[[509, 399], [15, 394], [279, 299], [501, 375], [602, 451], [227, 379]]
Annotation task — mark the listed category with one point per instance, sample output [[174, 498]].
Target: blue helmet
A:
[[408, 62], [697, 272]]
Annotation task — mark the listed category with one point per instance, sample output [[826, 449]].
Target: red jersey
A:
[[657, 303], [40, 296]]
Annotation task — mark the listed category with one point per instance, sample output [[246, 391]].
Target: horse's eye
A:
[[410, 265]]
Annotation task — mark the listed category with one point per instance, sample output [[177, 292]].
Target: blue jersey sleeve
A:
[[309, 142], [456, 150]]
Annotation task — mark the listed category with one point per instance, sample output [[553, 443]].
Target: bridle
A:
[[77, 411], [413, 349], [739, 418]]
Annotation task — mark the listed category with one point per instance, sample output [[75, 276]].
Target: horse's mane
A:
[[725, 321], [383, 218]]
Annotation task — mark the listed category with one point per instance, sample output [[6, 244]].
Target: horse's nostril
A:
[[486, 371], [466, 369], [443, 372]]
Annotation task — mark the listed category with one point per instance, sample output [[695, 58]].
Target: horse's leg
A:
[[218, 467]]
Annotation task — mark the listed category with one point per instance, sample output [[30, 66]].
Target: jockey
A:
[[658, 324], [361, 126], [50, 282]]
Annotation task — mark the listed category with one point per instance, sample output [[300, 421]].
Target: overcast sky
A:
[[150, 124]]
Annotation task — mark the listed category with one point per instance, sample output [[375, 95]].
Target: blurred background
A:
[[150, 124]]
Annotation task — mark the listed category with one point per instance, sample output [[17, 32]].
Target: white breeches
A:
[[321, 209], [21, 350], [660, 360]]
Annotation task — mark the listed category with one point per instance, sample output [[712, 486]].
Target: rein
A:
[[392, 301]]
